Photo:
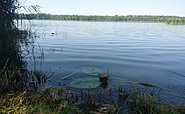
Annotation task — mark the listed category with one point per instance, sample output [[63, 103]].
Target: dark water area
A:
[[152, 53]]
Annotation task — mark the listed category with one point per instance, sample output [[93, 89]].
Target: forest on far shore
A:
[[116, 18]]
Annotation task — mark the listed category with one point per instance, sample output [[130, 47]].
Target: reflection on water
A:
[[142, 52]]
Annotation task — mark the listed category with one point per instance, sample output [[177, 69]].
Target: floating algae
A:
[[91, 70], [85, 82]]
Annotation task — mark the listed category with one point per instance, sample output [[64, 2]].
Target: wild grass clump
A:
[[36, 102], [70, 100], [19, 94], [148, 101], [11, 80]]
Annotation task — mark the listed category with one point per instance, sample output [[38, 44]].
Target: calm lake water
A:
[[146, 52]]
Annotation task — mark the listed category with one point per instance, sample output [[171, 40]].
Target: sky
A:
[[110, 7]]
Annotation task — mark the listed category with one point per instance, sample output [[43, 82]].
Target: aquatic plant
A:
[[103, 80], [85, 82], [60, 89], [136, 100], [91, 70], [108, 72]]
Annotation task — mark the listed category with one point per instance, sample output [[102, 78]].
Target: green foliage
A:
[[7, 15], [11, 79], [176, 21], [71, 109], [9, 34], [116, 18], [31, 102], [136, 100], [146, 102]]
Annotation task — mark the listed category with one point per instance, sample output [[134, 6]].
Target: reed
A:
[[135, 98]]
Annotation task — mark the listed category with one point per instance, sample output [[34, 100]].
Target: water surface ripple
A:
[[145, 52]]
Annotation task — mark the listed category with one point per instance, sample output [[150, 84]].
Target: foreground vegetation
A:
[[129, 18], [21, 94]]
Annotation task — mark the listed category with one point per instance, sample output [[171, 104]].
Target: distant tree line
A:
[[116, 18], [176, 21]]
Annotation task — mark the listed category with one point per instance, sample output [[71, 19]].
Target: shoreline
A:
[[172, 20]]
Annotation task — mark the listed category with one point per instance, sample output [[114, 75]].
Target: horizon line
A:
[[101, 15]]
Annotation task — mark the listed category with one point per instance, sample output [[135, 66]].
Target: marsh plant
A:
[[70, 100]]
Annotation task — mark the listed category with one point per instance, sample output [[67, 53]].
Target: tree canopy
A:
[[7, 15]]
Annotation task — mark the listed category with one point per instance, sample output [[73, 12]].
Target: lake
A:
[[152, 53]]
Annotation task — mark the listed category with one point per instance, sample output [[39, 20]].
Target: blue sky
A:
[[111, 7]]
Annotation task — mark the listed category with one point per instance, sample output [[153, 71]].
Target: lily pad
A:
[[91, 70], [85, 82]]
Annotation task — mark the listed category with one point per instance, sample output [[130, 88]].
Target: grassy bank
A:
[[20, 93]]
